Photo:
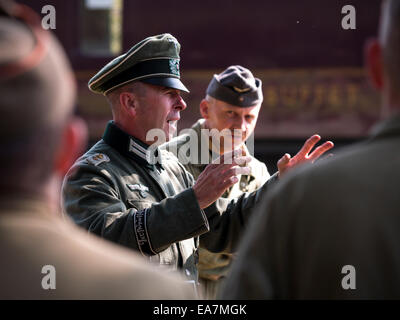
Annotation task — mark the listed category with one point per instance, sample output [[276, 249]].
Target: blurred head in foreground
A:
[[39, 135], [383, 58]]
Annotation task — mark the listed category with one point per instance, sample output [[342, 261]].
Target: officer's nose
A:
[[180, 104]]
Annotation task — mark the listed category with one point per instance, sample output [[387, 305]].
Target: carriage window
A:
[[101, 27]]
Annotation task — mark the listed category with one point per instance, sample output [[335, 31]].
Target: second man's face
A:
[[240, 121]]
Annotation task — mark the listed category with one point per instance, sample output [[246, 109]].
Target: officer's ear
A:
[[374, 63], [71, 146], [128, 103], [204, 109]]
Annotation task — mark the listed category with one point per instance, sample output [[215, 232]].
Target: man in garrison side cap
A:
[[230, 110], [43, 255], [125, 189]]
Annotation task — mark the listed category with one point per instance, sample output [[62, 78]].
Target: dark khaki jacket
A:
[[344, 211]]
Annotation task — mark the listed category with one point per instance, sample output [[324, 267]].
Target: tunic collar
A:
[[149, 156]]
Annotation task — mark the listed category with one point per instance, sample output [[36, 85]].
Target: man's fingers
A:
[[241, 161], [228, 183], [308, 145], [284, 160], [216, 168], [321, 150], [242, 170], [228, 158], [236, 171], [233, 172]]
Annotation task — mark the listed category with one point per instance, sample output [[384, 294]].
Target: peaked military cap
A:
[[237, 86], [153, 60]]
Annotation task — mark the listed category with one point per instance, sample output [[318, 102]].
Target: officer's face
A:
[[221, 115], [160, 109]]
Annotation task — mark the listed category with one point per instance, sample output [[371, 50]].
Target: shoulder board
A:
[[97, 158]]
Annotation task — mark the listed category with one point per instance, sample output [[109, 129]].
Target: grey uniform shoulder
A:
[[175, 144], [259, 171], [259, 166], [101, 161], [170, 161], [96, 155], [102, 157]]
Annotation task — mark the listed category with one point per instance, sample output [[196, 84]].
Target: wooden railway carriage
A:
[[311, 67]]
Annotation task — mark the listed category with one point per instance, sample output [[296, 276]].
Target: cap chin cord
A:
[[38, 52]]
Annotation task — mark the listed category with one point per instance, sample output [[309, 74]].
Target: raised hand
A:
[[286, 162], [220, 175]]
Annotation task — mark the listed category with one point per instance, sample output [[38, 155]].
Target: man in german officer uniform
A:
[[230, 109], [128, 191]]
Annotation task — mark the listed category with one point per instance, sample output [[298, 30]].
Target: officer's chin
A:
[[170, 132], [170, 136]]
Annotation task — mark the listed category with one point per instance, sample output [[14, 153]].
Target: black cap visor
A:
[[166, 82]]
